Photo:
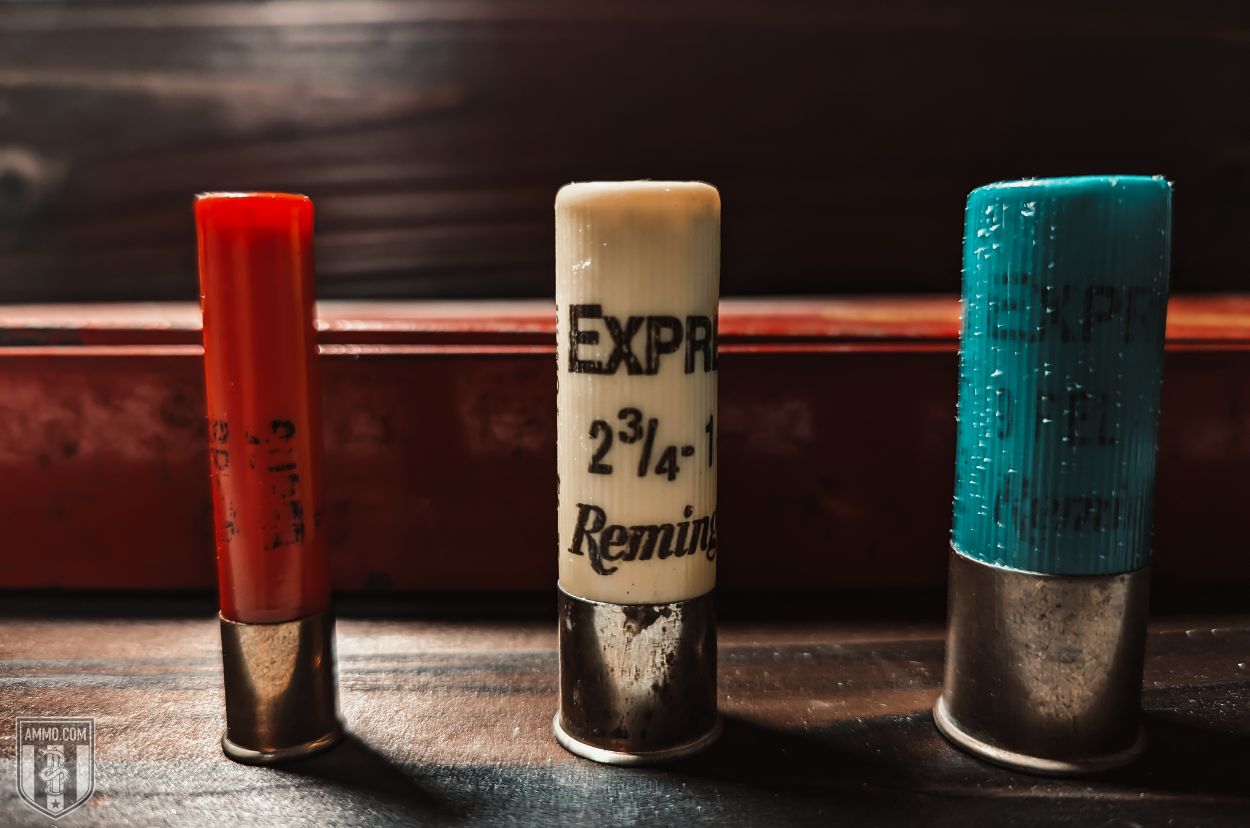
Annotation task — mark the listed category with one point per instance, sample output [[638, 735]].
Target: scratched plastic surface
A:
[[1065, 298], [637, 285], [264, 404]]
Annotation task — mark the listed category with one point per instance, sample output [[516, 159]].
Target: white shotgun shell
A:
[[637, 291]]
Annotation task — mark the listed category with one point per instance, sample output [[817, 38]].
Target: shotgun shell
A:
[[265, 445], [1065, 299], [637, 287]]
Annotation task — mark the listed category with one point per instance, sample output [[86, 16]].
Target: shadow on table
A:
[[840, 761], [356, 769], [1184, 756], [899, 763]]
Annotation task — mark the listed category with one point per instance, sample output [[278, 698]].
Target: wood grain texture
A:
[[828, 724], [433, 134]]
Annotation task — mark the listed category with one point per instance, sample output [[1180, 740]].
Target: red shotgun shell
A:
[[264, 404]]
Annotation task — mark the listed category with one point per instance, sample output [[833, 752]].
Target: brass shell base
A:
[[637, 682], [281, 695], [645, 757], [952, 730], [1043, 672]]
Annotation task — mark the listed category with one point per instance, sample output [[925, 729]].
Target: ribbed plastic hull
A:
[[1065, 298]]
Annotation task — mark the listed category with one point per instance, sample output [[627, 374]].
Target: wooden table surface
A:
[[828, 723]]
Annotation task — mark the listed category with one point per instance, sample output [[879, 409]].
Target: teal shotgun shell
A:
[[1064, 298]]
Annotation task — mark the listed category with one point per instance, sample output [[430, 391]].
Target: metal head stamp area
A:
[[637, 680]]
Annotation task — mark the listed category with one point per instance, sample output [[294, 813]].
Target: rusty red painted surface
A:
[[837, 440]]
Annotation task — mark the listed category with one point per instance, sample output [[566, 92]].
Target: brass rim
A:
[[1040, 765], [650, 757], [249, 756]]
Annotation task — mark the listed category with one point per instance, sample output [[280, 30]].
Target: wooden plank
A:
[[836, 433], [433, 135], [1220, 321], [828, 723], [755, 322]]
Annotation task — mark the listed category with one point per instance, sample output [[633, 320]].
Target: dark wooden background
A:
[[434, 134]]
